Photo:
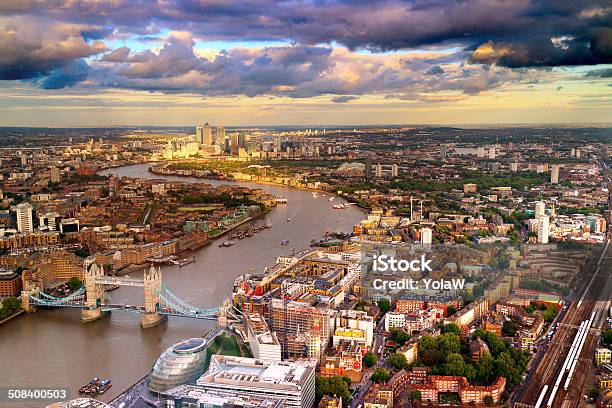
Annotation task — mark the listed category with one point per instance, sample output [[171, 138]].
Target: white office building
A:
[[263, 343], [426, 236], [543, 229], [540, 209], [394, 320], [24, 217], [294, 383]]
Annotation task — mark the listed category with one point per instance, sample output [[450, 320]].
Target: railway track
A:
[[549, 364]]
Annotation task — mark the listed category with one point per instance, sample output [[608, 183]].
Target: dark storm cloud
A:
[[344, 99], [30, 48], [435, 70], [44, 37], [67, 76]]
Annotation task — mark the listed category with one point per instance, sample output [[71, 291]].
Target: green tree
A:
[[505, 367], [451, 311], [488, 401], [509, 328], [550, 313], [485, 369], [594, 393], [370, 359], [400, 336], [451, 328], [454, 365], [384, 305], [11, 305], [415, 395], [74, 283], [448, 343], [380, 375], [607, 337], [397, 360], [335, 385], [426, 343]]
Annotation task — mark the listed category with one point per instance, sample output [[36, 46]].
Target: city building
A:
[[23, 213], [543, 229], [540, 209], [220, 137], [264, 343], [292, 382], [204, 135], [195, 396], [470, 188], [426, 236], [182, 363], [10, 283], [554, 174], [603, 355], [328, 401], [436, 384]]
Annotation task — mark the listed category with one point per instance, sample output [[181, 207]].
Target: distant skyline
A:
[[338, 62]]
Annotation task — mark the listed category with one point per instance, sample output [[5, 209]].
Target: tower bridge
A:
[[159, 302]]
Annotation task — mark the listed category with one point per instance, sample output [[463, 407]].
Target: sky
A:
[[304, 62]]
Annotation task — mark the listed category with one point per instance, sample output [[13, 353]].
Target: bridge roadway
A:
[[550, 358]]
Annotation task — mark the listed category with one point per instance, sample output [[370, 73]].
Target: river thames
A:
[[52, 348]]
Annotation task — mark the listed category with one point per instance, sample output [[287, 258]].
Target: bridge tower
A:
[[28, 290], [150, 316], [94, 294]]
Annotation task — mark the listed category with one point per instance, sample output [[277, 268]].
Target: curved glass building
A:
[[182, 363]]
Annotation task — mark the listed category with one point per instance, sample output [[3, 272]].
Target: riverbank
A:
[[11, 317], [155, 169]]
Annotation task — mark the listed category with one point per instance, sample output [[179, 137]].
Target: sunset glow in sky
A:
[[256, 62]]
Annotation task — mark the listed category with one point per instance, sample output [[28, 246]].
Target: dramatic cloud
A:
[[69, 75], [158, 45], [30, 48]]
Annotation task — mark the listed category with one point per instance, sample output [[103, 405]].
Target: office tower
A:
[[426, 236], [56, 175], [543, 229], [480, 151], [540, 209], [495, 167], [554, 174], [394, 170], [578, 153], [204, 135], [514, 167], [378, 171], [242, 140], [492, 153], [24, 217], [220, 137], [277, 143], [443, 152], [234, 139]]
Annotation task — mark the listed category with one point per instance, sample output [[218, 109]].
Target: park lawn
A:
[[230, 347]]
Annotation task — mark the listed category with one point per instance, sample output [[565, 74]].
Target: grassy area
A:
[[246, 351], [207, 209], [213, 348], [230, 347], [214, 232]]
